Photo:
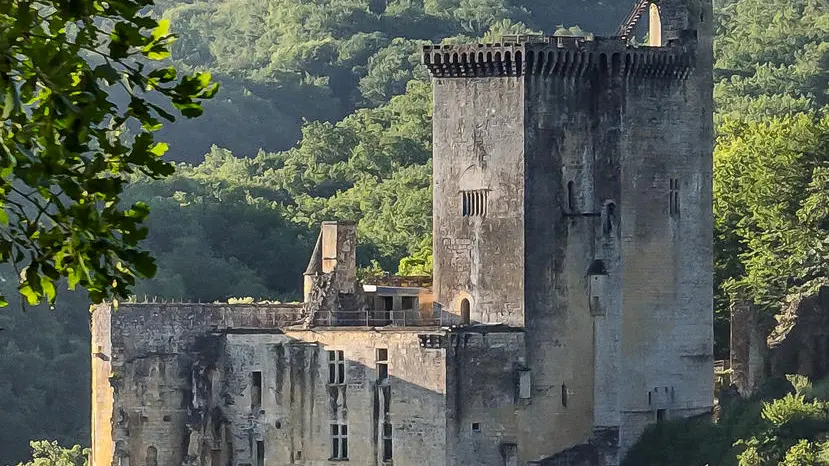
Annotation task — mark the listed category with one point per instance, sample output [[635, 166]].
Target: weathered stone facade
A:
[[570, 305]]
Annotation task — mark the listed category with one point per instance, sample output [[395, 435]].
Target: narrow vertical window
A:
[[387, 442], [564, 395], [609, 217], [260, 453], [571, 197], [382, 365], [474, 203], [661, 415], [339, 441], [465, 311], [336, 368], [673, 196], [256, 390], [385, 404]]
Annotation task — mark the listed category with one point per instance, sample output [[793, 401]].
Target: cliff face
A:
[[799, 342]]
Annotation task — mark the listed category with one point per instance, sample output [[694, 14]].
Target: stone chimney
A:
[[335, 253]]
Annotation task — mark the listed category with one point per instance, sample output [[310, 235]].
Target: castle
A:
[[570, 305]]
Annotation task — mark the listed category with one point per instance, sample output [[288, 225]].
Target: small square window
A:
[[476, 427], [474, 203], [408, 302]]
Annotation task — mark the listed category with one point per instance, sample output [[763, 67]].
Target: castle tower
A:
[[573, 199]]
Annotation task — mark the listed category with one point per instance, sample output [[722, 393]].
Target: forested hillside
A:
[[324, 113], [283, 61]]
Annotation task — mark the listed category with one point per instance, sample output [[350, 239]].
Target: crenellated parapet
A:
[[467, 60], [558, 56]]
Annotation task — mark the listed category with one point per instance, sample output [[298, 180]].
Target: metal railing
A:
[[376, 318], [414, 281]]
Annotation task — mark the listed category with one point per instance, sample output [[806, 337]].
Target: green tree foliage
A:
[[784, 430], [281, 61], [772, 57], [45, 373], [237, 217], [64, 151], [45, 453], [771, 191], [288, 145]]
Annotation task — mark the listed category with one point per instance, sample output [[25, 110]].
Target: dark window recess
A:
[[382, 364], [408, 302], [661, 415], [298, 455], [431, 341], [152, 456], [564, 395], [474, 203], [673, 195], [388, 303], [465, 311], [476, 427], [256, 390], [339, 441], [336, 368], [386, 421], [609, 217], [571, 197], [387, 449], [260, 453]]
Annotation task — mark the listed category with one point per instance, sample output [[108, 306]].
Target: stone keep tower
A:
[[573, 199]]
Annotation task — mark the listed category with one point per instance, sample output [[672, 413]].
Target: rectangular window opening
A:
[[382, 364], [661, 415], [476, 427], [256, 390], [408, 302], [673, 195], [260, 453], [339, 441], [474, 203], [336, 368]]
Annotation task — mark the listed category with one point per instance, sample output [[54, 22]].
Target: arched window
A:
[[465, 311], [152, 456], [654, 27]]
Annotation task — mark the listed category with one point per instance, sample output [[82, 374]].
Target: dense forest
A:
[[324, 113]]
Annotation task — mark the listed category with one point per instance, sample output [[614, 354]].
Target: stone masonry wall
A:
[[478, 149], [298, 405], [146, 358]]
